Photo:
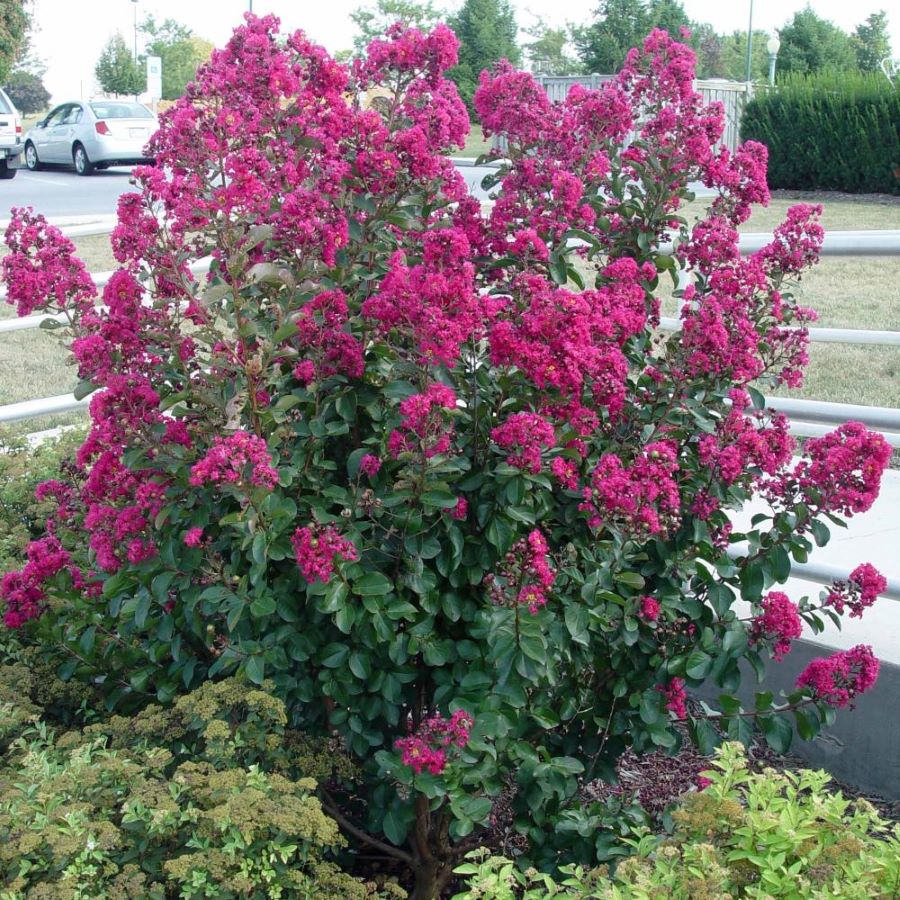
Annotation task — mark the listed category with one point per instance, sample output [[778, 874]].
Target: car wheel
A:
[[6, 171], [83, 166], [31, 157]]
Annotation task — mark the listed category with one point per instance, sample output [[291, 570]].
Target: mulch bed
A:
[[659, 780]]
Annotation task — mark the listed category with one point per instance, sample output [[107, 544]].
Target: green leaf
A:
[[262, 606], [394, 827], [630, 579], [255, 669], [335, 655], [778, 731], [698, 664], [289, 329], [84, 389], [559, 270], [440, 499], [372, 584]]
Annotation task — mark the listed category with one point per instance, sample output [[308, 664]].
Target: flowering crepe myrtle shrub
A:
[[464, 505]]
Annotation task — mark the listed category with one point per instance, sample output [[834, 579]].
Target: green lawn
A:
[[847, 293], [476, 143]]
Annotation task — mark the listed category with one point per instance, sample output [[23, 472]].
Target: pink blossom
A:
[[525, 434], [649, 609], [238, 458], [429, 747], [642, 497], [779, 622], [676, 697], [315, 549], [841, 677], [859, 592], [370, 465], [193, 537]]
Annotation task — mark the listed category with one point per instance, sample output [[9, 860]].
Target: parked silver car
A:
[[10, 138], [91, 135]]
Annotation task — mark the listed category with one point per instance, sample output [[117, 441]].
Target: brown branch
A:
[[331, 808]]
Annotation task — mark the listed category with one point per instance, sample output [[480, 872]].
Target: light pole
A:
[[135, 2], [749, 44], [773, 45]]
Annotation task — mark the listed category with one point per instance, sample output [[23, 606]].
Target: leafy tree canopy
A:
[[116, 70], [375, 17], [13, 29], [548, 52], [623, 24], [180, 50], [487, 33], [810, 43], [871, 42], [27, 92]]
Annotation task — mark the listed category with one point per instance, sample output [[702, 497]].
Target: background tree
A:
[[623, 24], [709, 47], [24, 84], [116, 70], [374, 18], [810, 43], [487, 33], [734, 56], [180, 50], [27, 92], [547, 51], [871, 42], [13, 29]]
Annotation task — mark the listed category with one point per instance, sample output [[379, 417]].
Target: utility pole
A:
[[749, 45], [135, 2]]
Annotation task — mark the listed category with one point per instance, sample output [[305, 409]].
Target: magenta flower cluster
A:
[[778, 623], [642, 497], [859, 592], [429, 747], [838, 679], [238, 458], [316, 547]]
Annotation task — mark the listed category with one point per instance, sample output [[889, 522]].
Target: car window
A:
[[5, 105], [121, 110], [73, 116], [56, 116]]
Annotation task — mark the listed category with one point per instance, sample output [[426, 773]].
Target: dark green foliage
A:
[[180, 51], [117, 71], [810, 44], [838, 133], [13, 28], [487, 33], [27, 92], [622, 24]]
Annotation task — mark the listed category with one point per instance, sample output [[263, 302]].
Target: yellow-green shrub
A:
[[201, 799], [753, 835]]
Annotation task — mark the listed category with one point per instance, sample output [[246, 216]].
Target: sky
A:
[[71, 33]]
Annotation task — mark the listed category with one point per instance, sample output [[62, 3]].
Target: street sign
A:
[[154, 77]]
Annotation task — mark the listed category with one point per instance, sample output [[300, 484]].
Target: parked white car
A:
[[91, 135], [10, 138]]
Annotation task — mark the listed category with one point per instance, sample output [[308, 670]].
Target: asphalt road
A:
[[60, 192]]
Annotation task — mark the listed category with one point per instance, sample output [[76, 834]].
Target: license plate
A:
[[137, 132]]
